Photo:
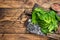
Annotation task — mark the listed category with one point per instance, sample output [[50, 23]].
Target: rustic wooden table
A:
[[12, 19]]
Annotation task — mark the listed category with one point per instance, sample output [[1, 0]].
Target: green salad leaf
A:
[[47, 20]]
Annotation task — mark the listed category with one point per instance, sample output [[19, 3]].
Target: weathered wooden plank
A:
[[54, 36], [12, 30], [1, 35], [23, 37], [24, 3], [11, 12], [10, 4], [7, 22], [12, 27], [16, 4]]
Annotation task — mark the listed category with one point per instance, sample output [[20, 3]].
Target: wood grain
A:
[[12, 30], [12, 19], [24, 4], [23, 37], [16, 4]]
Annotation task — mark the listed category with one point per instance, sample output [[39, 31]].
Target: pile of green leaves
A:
[[47, 20]]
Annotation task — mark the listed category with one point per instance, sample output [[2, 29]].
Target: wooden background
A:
[[12, 19]]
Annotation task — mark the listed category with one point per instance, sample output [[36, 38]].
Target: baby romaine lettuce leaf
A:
[[47, 20]]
